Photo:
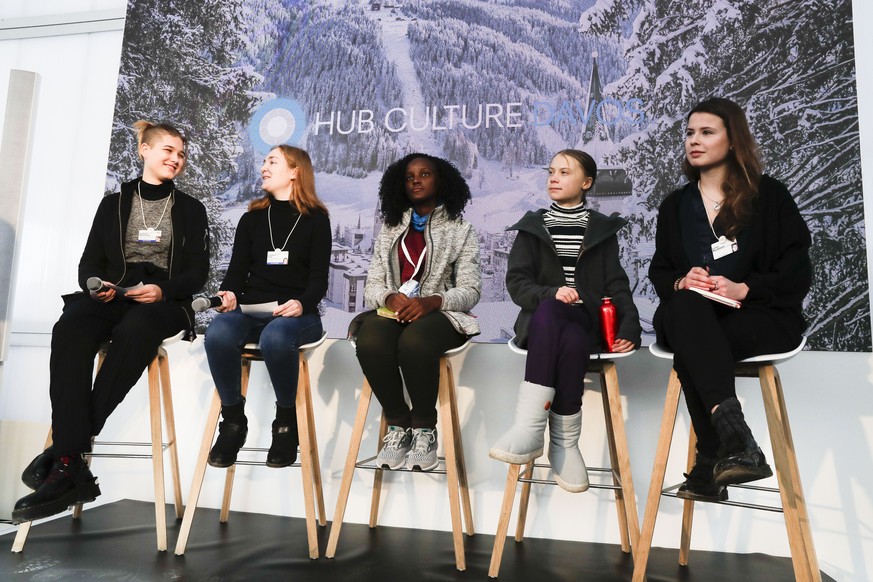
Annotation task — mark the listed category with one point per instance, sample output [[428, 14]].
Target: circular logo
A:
[[276, 122]]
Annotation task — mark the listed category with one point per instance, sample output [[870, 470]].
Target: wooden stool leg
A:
[[306, 468], [306, 386], [77, 509], [459, 452], [170, 422], [523, 502], [157, 454], [503, 522], [378, 474], [24, 527], [662, 454], [199, 473], [803, 556], [688, 506], [224, 514], [626, 497], [349, 469], [451, 462]]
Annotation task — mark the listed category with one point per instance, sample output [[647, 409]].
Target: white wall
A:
[[828, 394]]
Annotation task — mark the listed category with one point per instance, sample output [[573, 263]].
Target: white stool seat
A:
[[660, 351], [598, 356]]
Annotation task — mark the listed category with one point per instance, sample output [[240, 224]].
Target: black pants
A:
[[386, 347], [135, 330], [707, 338]]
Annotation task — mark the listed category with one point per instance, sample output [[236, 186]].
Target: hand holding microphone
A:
[[99, 290], [224, 301]]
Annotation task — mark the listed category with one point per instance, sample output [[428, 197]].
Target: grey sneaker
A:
[[423, 454], [398, 441]]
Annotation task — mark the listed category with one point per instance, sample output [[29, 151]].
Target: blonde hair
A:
[[148, 132], [303, 195]]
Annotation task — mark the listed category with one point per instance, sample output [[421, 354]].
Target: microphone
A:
[[95, 284], [203, 303]]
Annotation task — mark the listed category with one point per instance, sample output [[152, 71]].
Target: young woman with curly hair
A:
[[425, 271]]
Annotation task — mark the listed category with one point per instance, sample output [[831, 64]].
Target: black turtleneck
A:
[[304, 277], [152, 192]]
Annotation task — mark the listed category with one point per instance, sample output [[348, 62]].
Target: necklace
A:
[[716, 203], [270, 224], [142, 209]]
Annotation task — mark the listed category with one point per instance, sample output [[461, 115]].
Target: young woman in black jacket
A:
[[737, 233], [149, 237], [563, 261]]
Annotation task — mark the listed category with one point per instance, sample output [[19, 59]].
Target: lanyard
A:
[[142, 209], [270, 223], [409, 258]]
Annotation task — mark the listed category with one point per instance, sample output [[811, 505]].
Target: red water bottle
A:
[[608, 322]]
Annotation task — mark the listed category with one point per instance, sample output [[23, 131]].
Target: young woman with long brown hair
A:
[[281, 253], [735, 232]]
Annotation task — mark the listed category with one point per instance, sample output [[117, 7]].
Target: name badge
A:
[[723, 247], [149, 235], [277, 257], [410, 288]]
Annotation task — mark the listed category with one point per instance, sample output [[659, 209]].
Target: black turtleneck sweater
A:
[[304, 277]]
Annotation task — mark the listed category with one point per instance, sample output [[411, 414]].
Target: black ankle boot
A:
[[69, 482], [38, 469], [232, 433], [743, 460], [283, 450], [699, 483]]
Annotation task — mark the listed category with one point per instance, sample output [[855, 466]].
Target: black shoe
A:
[[38, 469], [69, 482], [283, 450], [699, 484], [742, 467], [231, 438]]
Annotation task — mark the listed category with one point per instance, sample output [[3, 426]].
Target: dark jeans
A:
[[386, 347], [707, 338], [136, 330], [558, 346], [279, 339]]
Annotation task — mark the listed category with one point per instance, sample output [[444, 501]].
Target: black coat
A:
[[774, 263], [188, 263], [535, 273]]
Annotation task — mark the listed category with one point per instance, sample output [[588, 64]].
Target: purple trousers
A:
[[559, 344]]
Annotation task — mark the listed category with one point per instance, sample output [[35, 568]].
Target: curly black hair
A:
[[454, 194]]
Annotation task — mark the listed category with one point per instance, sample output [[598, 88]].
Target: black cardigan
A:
[[774, 264], [305, 276]]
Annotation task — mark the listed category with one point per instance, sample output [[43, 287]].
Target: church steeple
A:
[[596, 137]]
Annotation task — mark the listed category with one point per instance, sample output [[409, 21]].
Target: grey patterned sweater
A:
[[451, 268]]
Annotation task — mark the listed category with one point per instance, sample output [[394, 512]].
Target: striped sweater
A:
[[567, 227]]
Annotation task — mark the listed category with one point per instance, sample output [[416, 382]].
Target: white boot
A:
[[564, 454], [524, 441]]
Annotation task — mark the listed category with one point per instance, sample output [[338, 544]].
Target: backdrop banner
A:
[[497, 87]]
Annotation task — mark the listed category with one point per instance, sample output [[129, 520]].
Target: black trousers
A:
[[386, 347], [135, 331], [707, 338]]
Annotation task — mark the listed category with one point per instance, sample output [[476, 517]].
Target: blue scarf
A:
[[419, 222]]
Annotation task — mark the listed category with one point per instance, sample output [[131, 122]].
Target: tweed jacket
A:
[[451, 268], [535, 273]]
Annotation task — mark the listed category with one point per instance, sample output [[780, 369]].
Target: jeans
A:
[[279, 338]]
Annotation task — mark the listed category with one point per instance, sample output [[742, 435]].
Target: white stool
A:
[[159, 385], [763, 367], [309, 464], [622, 483], [455, 467]]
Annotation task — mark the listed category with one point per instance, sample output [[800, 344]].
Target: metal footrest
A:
[[110, 455], [671, 492], [609, 470], [369, 465]]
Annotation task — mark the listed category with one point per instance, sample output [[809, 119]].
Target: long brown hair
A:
[[740, 186], [303, 195], [148, 132]]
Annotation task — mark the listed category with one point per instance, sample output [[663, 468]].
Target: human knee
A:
[[546, 312]]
